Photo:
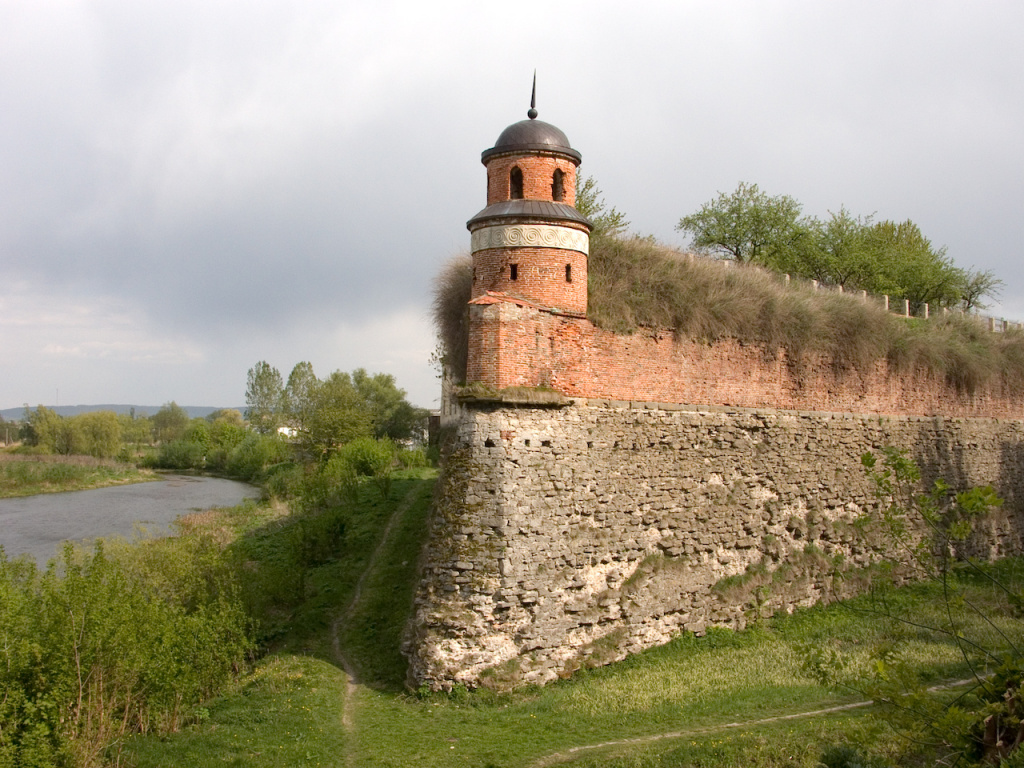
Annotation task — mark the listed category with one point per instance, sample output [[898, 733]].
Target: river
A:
[[36, 525]]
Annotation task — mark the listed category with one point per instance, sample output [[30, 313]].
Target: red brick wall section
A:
[[540, 276], [511, 345], [538, 171]]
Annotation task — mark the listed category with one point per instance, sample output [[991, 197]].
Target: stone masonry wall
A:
[[574, 536]]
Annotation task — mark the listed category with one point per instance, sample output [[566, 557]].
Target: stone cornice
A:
[[530, 236]]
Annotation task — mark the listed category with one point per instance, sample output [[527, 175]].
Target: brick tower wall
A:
[[540, 276], [538, 171]]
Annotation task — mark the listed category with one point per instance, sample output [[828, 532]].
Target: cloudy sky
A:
[[190, 186]]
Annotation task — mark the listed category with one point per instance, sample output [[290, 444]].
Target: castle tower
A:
[[530, 242]]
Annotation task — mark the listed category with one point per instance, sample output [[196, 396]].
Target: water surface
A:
[[37, 525]]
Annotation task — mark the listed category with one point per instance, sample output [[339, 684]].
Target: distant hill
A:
[[194, 411]]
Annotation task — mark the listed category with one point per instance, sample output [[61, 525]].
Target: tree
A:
[[198, 432], [263, 397], [883, 257], [227, 434], [391, 415], [338, 416], [931, 532], [135, 430], [169, 422], [976, 286], [298, 399], [47, 430], [606, 221], [747, 226], [908, 267], [838, 253], [98, 434], [229, 415]]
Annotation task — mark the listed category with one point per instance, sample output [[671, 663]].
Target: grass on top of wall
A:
[[636, 282]]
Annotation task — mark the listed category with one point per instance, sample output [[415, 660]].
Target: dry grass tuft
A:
[[453, 287], [637, 282], [75, 460]]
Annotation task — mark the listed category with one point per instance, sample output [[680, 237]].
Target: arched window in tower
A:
[[515, 185], [558, 186]]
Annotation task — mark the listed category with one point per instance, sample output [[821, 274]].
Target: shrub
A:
[[845, 756], [367, 456], [198, 431], [285, 480], [227, 435], [373, 458], [452, 289], [317, 536], [339, 477], [410, 458], [97, 647], [181, 454], [254, 454]]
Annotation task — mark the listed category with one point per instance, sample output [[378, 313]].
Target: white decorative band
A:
[[531, 235]]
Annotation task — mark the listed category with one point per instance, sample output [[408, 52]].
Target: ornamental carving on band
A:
[[536, 235]]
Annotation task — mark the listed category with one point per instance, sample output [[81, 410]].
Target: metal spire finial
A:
[[532, 114]]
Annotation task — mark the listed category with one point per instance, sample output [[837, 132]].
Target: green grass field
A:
[[29, 475], [695, 701]]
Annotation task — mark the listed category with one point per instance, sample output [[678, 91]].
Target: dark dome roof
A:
[[540, 210], [532, 136]]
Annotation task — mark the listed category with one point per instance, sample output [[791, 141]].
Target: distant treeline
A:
[[105, 434], [193, 411]]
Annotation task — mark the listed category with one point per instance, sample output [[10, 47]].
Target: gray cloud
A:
[[248, 181]]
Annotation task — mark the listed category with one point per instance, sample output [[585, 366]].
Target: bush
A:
[[371, 458], [285, 480], [367, 456], [848, 757], [410, 458], [181, 454], [226, 435], [97, 647], [198, 431], [251, 457], [339, 478], [318, 535]]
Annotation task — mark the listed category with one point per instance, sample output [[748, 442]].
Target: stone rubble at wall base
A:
[[569, 537]]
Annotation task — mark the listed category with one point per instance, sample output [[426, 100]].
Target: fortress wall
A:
[[530, 347], [574, 536]]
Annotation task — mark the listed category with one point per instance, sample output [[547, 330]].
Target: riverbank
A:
[[31, 475], [37, 525]]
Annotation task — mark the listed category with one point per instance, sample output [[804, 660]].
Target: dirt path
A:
[[566, 754], [351, 680], [559, 757]]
